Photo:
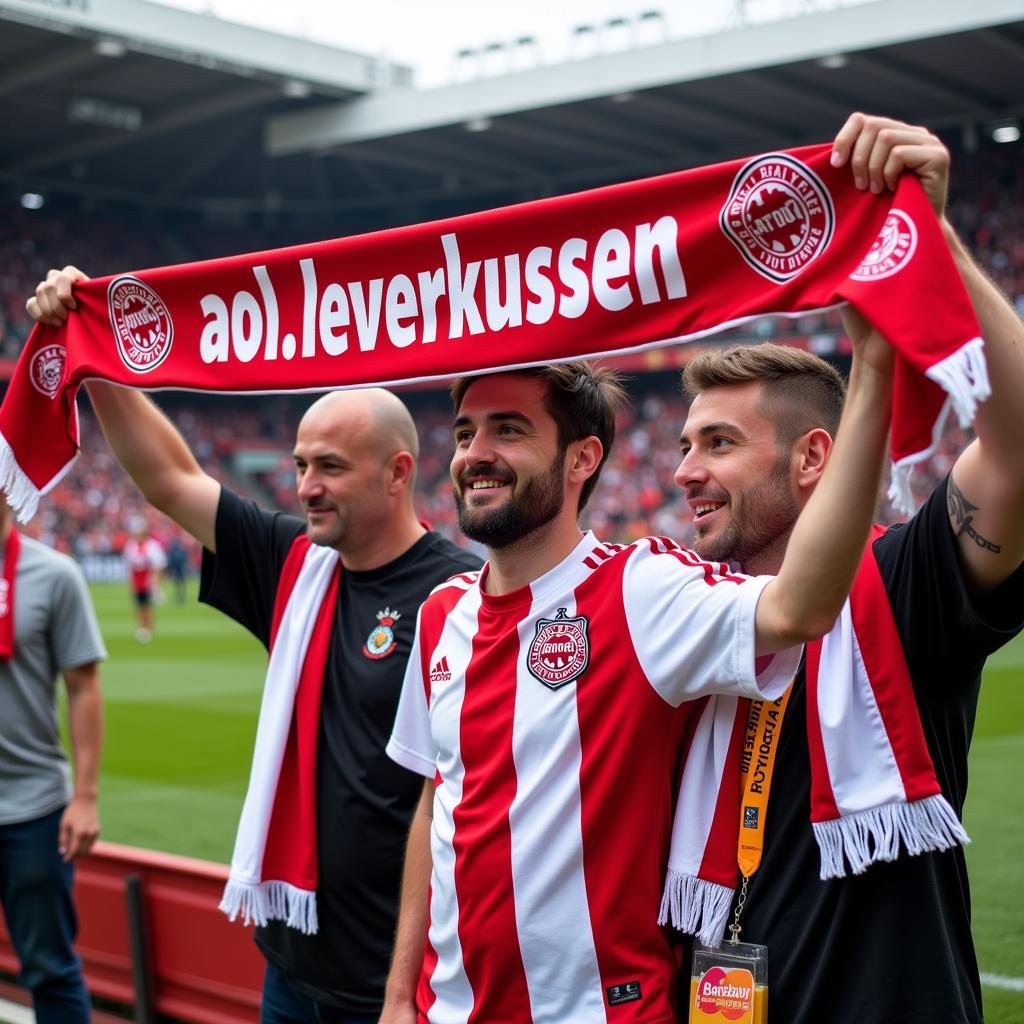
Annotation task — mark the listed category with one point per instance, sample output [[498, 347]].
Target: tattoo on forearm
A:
[[960, 512]]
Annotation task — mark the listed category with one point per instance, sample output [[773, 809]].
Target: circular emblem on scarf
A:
[[142, 325], [891, 251], [560, 650], [47, 369], [779, 215], [382, 641]]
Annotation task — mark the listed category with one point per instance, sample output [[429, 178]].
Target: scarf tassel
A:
[[22, 494], [696, 906], [876, 834], [900, 494], [964, 377], [260, 902]]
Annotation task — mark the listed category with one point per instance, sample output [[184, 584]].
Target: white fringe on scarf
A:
[[696, 906], [874, 835], [260, 902], [22, 494], [964, 377]]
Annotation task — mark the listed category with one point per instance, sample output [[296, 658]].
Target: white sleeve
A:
[[157, 559], [412, 743], [692, 628]]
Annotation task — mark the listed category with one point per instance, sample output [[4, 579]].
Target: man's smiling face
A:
[[508, 469], [737, 482]]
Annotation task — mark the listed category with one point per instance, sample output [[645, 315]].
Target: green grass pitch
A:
[[181, 717]]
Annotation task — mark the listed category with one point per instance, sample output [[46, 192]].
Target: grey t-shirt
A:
[[55, 629]]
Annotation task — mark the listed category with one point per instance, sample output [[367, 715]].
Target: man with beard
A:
[[891, 945], [548, 698], [355, 463]]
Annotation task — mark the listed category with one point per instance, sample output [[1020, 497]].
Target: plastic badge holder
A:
[[729, 985]]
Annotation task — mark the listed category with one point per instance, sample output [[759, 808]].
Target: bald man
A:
[[355, 468]]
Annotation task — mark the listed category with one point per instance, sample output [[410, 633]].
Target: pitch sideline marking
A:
[[15, 1013], [1003, 982]]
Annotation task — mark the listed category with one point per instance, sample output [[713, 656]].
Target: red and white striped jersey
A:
[[553, 720], [144, 560]]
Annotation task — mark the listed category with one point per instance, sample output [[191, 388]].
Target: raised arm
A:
[[825, 548], [985, 496], [144, 440]]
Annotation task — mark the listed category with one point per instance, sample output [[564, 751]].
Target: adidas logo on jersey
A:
[[440, 673]]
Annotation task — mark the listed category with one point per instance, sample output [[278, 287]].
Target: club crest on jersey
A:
[[381, 642], [47, 369], [141, 322], [779, 215], [560, 650], [891, 251]]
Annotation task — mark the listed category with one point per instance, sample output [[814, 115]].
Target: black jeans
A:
[[283, 1004]]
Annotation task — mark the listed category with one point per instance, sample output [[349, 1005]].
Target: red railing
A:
[[152, 939]]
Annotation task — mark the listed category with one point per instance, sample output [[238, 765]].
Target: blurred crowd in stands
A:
[[90, 511], [93, 509]]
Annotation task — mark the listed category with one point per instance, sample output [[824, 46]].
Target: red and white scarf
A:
[[274, 865], [647, 263], [12, 551], [873, 785]]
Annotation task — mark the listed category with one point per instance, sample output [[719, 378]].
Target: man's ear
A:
[[582, 459], [813, 451], [400, 472]]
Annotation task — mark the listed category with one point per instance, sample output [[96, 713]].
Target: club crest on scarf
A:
[[381, 642], [891, 251], [560, 651], [141, 322], [779, 215], [47, 369]]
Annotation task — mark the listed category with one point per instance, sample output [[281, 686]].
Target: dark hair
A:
[[801, 391], [581, 398]]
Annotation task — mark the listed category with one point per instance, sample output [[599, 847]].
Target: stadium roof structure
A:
[[128, 101], [139, 102]]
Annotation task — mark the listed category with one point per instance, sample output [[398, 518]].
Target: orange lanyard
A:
[[760, 745]]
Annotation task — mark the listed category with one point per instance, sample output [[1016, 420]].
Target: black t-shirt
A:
[[364, 800], [893, 945]]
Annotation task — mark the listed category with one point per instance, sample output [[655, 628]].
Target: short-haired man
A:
[[892, 945], [355, 460], [548, 698], [47, 629]]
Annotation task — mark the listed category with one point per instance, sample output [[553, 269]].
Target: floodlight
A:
[[833, 61], [109, 48]]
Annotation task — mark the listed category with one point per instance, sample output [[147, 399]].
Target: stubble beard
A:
[[329, 534], [539, 501], [766, 516]]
